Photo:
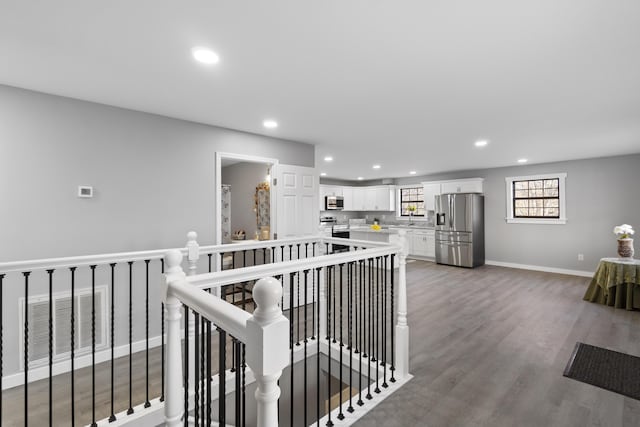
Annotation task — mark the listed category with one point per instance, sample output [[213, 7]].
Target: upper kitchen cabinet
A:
[[379, 198], [472, 185], [358, 198], [347, 193], [431, 190]]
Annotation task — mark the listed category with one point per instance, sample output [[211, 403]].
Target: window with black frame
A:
[[536, 198], [412, 201]]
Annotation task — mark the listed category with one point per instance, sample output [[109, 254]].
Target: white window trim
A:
[[406, 218], [562, 177]]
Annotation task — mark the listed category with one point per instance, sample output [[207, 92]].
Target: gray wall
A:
[[601, 193], [153, 176], [243, 178]]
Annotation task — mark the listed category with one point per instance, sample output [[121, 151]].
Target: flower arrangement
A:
[[376, 227], [411, 208], [623, 231]]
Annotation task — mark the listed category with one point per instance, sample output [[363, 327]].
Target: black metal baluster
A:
[[93, 345], [221, 260], [282, 253], [264, 255], [222, 376], [329, 277], [368, 396], [146, 327], [1, 344], [73, 354], [314, 302], [361, 324], [318, 269], [233, 260], [209, 260], [112, 266], [384, 322], [393, 313], [290, 253], [244, 385], [222, 372], [26, 275], [377, 339], [298, 245], [254, 256], [50, 274], [196, 367], [202, 369], [238, 378], [130, 410], [162, 335], [298, 309], [335, 282], [340, 414], [350, 274], [244, 258], [291, 278], [186, 366], [208, 323], [306, 274]]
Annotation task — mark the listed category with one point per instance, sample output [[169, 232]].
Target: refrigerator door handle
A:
[[451, 212]]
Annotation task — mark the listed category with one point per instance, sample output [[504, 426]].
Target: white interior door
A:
[[297, 201]]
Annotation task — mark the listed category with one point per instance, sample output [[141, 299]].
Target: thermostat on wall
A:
[[84, 191]]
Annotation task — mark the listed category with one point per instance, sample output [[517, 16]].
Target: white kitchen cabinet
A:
[[431, 190], [358, 198], [473, 185], [347, 193], [380, 198], [421, 243]]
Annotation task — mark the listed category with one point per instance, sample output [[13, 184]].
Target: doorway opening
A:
[[245, 198]]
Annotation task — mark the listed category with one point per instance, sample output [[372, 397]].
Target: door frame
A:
[[218, 188]]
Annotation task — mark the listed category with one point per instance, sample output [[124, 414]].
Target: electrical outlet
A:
[[580, 257]]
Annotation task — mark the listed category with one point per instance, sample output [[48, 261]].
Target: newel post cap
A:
[[267, 294], [173, 270]]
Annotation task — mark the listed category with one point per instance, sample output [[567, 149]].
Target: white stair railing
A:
[[265, 333]]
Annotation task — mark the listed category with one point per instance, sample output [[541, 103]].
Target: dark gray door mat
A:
[[607, 369]]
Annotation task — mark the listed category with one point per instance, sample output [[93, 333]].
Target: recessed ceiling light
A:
[[522, 160], [323, 174], [376, 166], [328, 159], [481, 143], [360, 178], [204, 55], [270, 124], [412, 172]]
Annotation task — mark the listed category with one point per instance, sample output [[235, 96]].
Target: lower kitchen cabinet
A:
[[422, 243]]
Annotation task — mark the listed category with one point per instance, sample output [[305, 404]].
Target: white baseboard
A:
[[541, 268]]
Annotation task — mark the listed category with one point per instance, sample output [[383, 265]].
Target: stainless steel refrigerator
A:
[[460, 229]]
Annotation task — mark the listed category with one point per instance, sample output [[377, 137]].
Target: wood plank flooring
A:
[[489, 345]]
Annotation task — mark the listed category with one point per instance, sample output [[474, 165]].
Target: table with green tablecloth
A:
[[616, 284]]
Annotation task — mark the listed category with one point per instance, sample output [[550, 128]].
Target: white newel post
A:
[[193, 254], [173, 405], [267, 348], [402, 328]]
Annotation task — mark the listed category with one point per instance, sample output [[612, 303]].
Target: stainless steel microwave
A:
[[333, 203]]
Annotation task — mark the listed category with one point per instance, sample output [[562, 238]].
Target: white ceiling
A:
[[407, 84]]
